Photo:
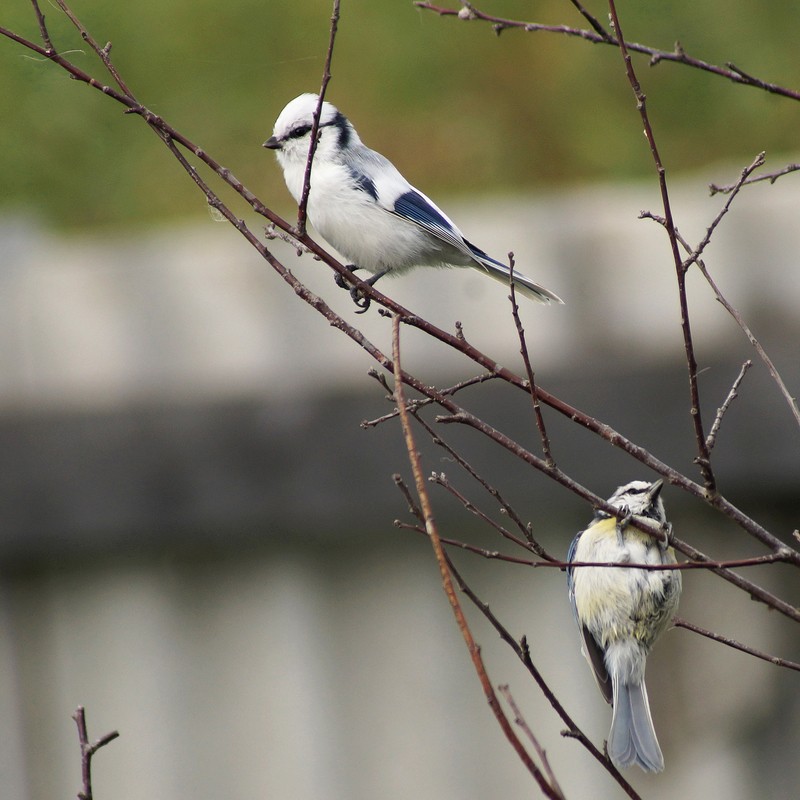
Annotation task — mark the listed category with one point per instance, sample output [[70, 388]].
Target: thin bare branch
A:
[[780, 662], [505, 507], [714, 188], [412, 505], [440, 479], [746, 173], [595, 36], [88, 749], [523, 349], [103, 53], [444, 569], [791, 401], [490, 555], [43, 32], [540, 751], [703, 459], [302, 209], [522, 651], [415, 405], [496, 555], [732, 395], [593, 21]]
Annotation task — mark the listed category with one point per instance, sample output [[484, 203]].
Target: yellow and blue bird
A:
[[622, 611]]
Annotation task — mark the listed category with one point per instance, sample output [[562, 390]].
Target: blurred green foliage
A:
[[457, 108]]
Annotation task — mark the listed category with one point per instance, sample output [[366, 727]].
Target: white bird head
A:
[[291, 136], [642, 499]]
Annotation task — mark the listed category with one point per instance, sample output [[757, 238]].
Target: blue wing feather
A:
[[415, 207]]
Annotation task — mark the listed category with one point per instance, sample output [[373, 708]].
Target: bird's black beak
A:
[[273, 143], [655, 490]]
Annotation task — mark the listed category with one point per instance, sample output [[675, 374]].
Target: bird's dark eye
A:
[[300, 130]]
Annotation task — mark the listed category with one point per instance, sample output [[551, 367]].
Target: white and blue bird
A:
[[621, 612], [361, 204]]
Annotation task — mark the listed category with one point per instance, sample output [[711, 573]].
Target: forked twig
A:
[[522, 652], [732, 395], [714, 188], [88, 749], [540, 751], [101, 52], [791, 401], [505, 507], [746, 173], [762, 353], [598, 35], [703, 459], [440, 479]]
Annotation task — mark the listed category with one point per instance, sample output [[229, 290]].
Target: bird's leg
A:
[[340, 281], [360, 300], [666, 530], [622, 523]]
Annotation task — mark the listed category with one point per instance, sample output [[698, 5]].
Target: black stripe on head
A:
[[345, 131]]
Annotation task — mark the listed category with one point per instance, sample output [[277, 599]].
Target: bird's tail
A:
[[522, 284], [632, 739]]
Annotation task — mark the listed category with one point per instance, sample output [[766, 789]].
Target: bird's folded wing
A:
[[415, 207]]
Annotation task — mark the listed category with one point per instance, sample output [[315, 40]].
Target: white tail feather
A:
[[522, 284]]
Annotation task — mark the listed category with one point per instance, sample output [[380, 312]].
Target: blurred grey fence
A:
[[197, 538]]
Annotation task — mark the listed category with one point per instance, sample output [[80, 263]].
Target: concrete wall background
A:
[[197, 540]]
